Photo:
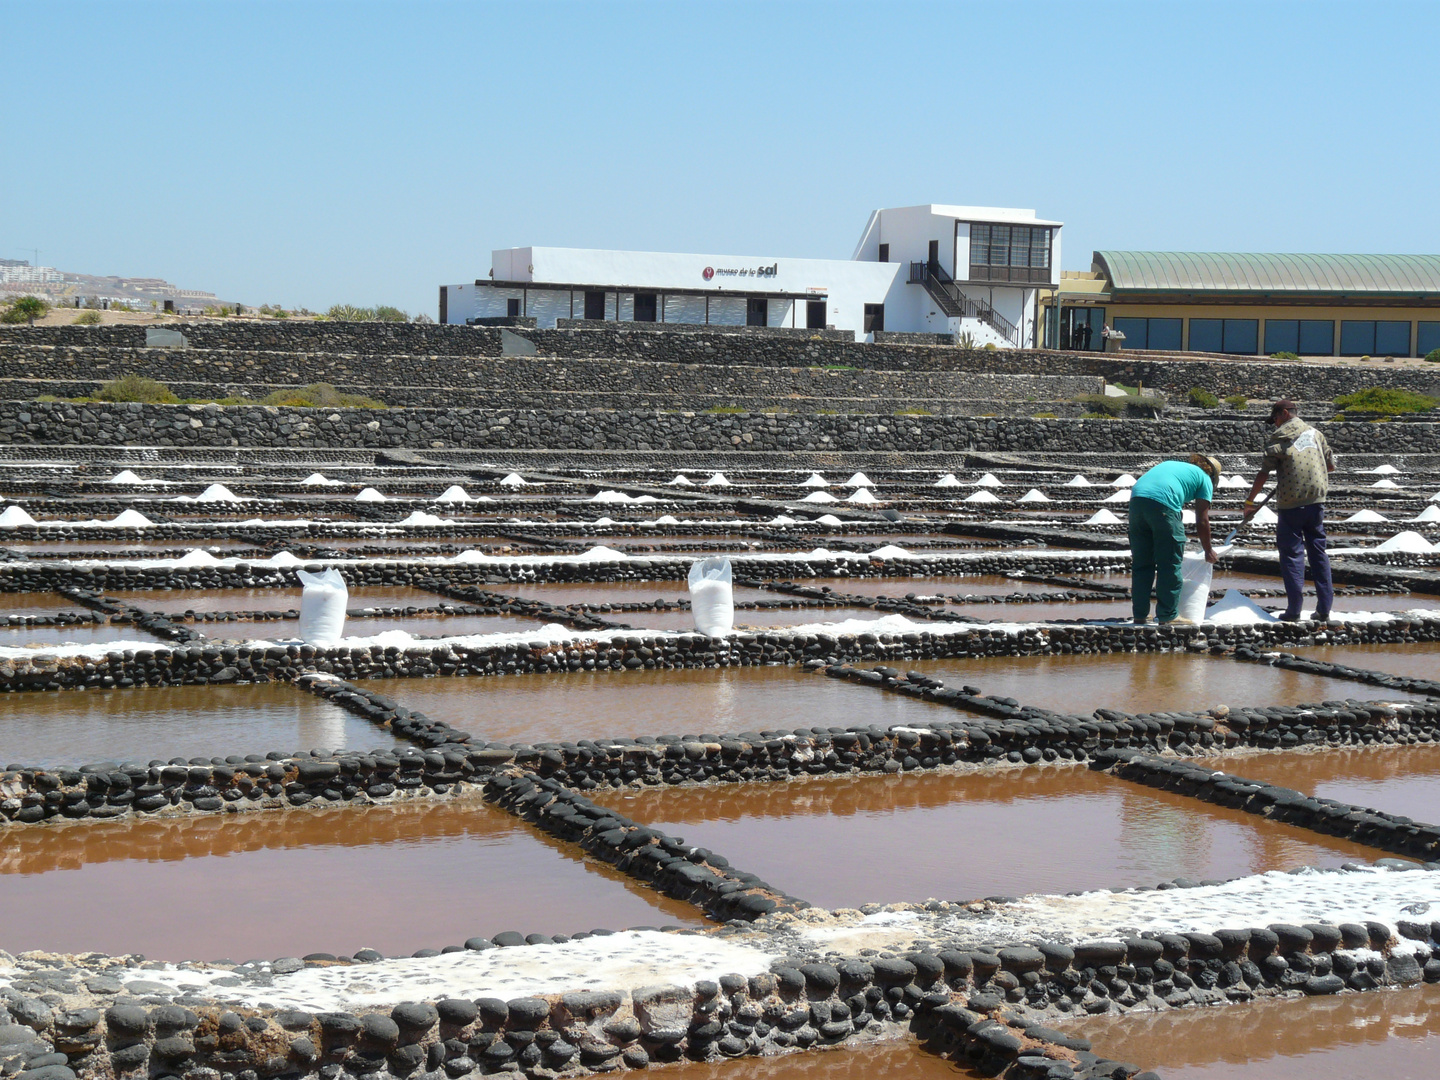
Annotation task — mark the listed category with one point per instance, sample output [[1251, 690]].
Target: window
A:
[[595, 305], [1427, 337], [757, 311], [884, 252], [1224, 335], [874, 317], [815, 314], [1010, 252], [644, 307], [1282, 335], [1161, 334], [512, 307], [1392, 338], [1317, 337], [1084, 329]]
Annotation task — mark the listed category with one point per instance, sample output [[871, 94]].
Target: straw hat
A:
[[1210, 464]]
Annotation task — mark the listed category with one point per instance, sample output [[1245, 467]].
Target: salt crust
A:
[[624, 961]]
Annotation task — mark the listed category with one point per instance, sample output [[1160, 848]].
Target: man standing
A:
[[1302, 461], [1157, 532]]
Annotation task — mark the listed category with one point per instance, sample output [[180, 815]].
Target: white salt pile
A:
[[453, 494], [667, 519], [681, 480], [1034, 495], [608, 496], [948, 481], [1366, 516], [1384, 470], [604, 521], [1121, 496], [1233, 482], [217, 493], [890, 551], [14, 515], [1384, 482], [989, 480], [820, 497], [512, 480], [420, 517], [316, 479], [369, 494], [859, 480], [1265, 516], [1407, 541], [781, 519], [1102, 517], [829, 520], [196, 557], [982, 496], [1124, 480], [815, 480], [130, 519], [1237, 609], [862, 495], [1078, 481], [717, 480], [1430, 513], [125, 476], [645, 499]]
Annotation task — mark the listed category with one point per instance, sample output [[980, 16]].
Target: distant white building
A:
[[918, 269]]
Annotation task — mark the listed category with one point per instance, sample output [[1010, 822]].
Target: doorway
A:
[[815, 315], [757, 311], [595, 305]]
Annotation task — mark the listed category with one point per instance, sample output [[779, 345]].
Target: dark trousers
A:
[[1157, 553], [1299, 534]]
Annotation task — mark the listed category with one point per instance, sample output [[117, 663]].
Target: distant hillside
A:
[[64, 288]]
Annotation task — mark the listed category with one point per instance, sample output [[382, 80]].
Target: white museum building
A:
[[917, 269]]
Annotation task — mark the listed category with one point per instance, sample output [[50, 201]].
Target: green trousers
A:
[[1157, 548]]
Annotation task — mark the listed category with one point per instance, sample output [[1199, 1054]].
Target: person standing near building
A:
[[1302, 462], [1157, 532]]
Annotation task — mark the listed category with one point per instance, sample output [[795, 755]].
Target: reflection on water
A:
[[182, 600], [897, 1058], [1415, 660], [247, 885], [77, 727], [39, 637], [1393, 1034], [964, 836]]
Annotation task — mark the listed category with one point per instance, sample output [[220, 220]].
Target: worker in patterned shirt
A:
[[1302, 462]]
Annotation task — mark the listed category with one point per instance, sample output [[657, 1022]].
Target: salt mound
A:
[[681, 480], [1366, 516], [420, 517], [1102, 517], [453, 494], [1407, 541], [1124, 480], [1233, 482], [820, 497], [1078, 481], [890, 551], [858, 480], [829, 519], [1237, 609], [815, 480], [608, 496], [781, 519], [130, 519], [369, 494], [1121, 496], [125, 476], [645, 499], [1034, 495], [717, 480], [1430, 513], [600, 553], [604, 521], [283, 558], [1385, 482], [1434, 498], [512, 480], [14, 515], [1265, 516], [982, 496], [989, 480], [217, 493], [197, 557], [316, 479], [947, 481], [862, 495], [667, 519], [1384, 470]]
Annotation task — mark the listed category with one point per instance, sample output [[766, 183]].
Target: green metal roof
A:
[[1192, 271]]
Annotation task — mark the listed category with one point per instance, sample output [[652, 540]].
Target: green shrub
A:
[[87, 318], [1044, 416], [1101, 404], [1433, 356], [1387, 402], [1133, 391], [1284, 355], [989, 346], [1203, 399], [1238, 402], [137, 388], [23, 309], [320, 396]]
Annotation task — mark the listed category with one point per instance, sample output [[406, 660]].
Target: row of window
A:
[[647, 308], [1305, 337]]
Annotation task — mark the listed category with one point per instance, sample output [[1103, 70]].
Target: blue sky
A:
[[313, 153]]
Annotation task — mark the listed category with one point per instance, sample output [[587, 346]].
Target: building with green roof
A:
[[1251, 304]]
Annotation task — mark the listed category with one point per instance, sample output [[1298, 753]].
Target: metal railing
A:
[[941, 285]]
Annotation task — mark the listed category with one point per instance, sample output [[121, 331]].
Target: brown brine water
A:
[[900, 1058], [270, 884], [1415, 660], [371, 625], [181, 600], [78, 727], [959, 836], [40, 637]]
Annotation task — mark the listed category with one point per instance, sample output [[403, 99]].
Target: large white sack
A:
[[322, 607], [712, 600], [1195, 575]]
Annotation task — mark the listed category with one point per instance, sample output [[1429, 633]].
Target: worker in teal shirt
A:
[[1157, 531]]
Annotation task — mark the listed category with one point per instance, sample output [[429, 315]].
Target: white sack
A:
[[1195, 575], [712, 600], [322, 607]]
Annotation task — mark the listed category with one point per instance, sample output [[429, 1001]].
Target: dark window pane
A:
[[1357, 337], [979, 245], [1019, 245], [815, 314], [1282, 335], [874, 317], [1427, 337], [885, 253], [1317, 337], [757, 312], [1000, 245], [1040, 248], [594, 304], [1205, 335], [1134, 331], [645, 307], [1242, 335], [1392, 338], [1164, 334], [512, 307]]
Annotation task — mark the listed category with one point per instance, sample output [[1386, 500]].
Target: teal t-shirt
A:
[[1173, 484]]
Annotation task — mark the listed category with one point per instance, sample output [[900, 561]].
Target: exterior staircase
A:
[[947, 296]]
